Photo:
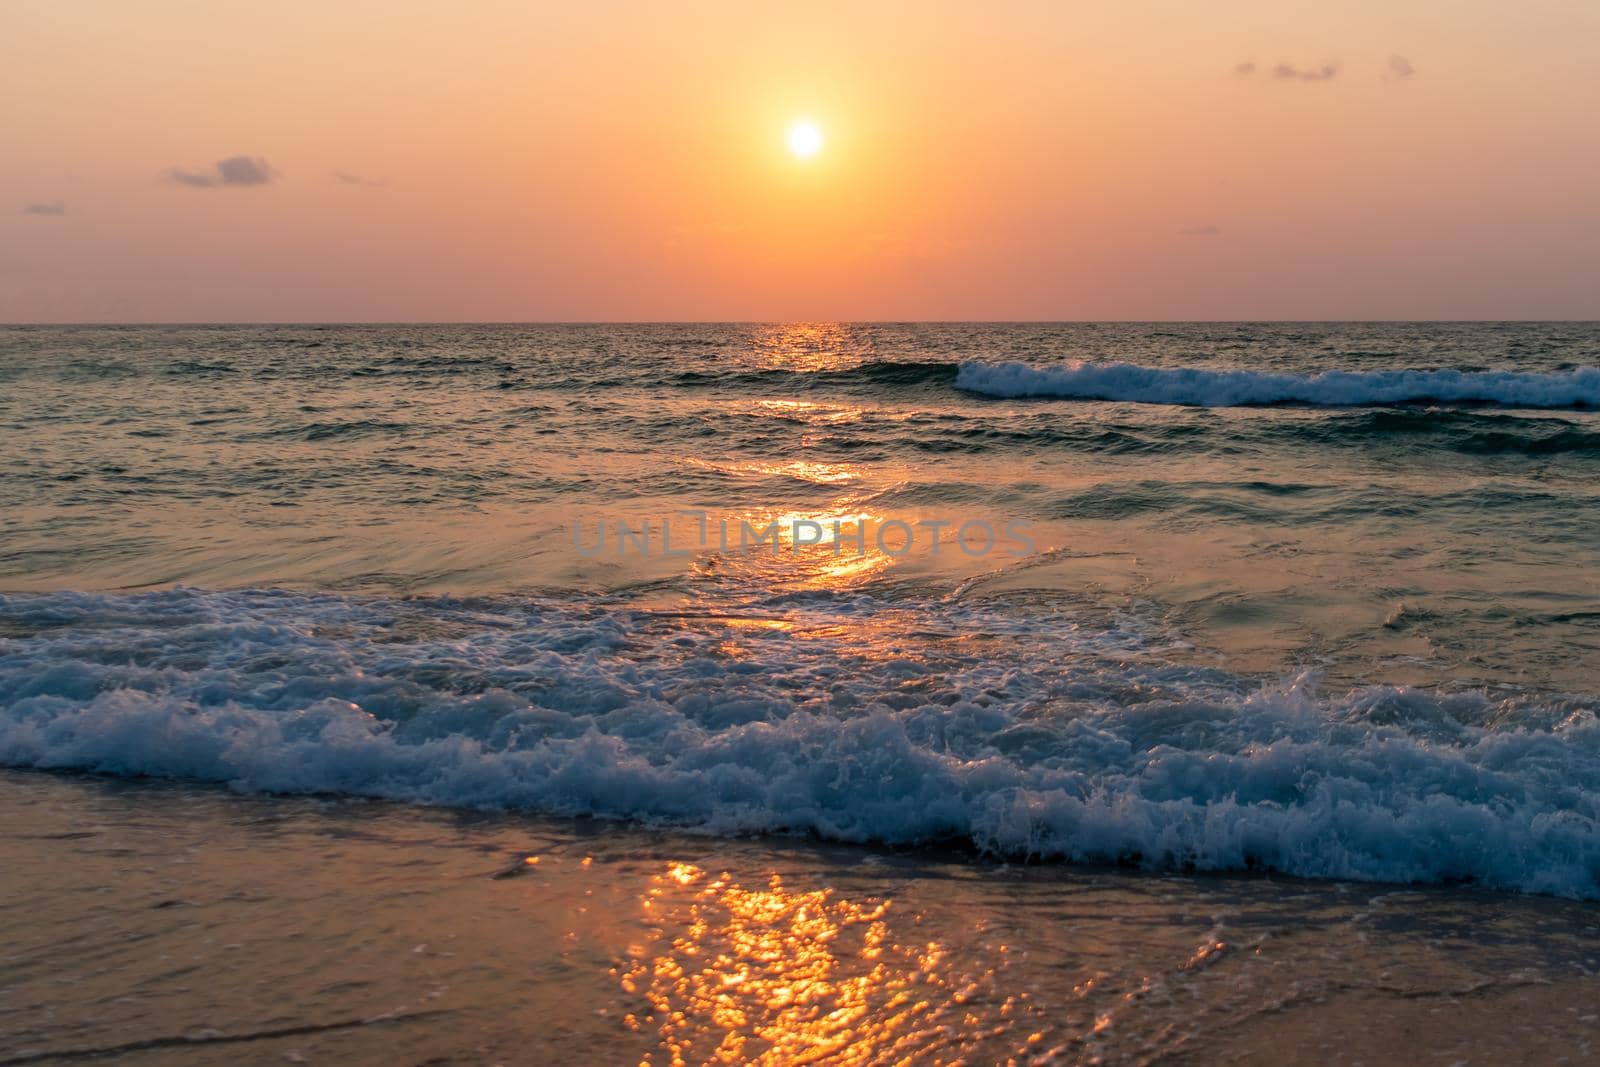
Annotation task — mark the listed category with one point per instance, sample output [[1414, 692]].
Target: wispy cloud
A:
[[355, 179], [1397, 67], [1288, 72], [235, 170], [1200, 231], [52, 207]]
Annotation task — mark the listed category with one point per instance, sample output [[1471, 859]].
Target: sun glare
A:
[[804, 138]]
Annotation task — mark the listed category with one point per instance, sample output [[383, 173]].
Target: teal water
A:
[[1314, 597]]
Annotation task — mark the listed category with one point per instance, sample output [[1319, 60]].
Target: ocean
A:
[[800, 693], [1315, 599]]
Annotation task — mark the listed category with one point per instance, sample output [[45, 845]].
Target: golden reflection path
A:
[[774, 975], [810, 346]]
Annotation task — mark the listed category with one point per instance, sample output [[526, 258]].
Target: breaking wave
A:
[[1198, 387], [842, 716]]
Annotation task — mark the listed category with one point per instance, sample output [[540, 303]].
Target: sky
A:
[[227, 161]]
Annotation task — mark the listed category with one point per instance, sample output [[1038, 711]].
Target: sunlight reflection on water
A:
[[772, 975]]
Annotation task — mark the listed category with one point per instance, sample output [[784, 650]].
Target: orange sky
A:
[[533, 161]]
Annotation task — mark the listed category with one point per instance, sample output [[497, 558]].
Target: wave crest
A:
[[1053, 740], [1202, 387]]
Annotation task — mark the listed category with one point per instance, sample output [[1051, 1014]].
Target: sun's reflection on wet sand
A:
[[774, 975]]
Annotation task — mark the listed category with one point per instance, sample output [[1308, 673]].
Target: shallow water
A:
[[1342, 621], [169, 924]]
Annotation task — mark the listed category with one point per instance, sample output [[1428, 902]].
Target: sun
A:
[[804, 138]]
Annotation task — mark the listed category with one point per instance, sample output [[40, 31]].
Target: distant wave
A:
[[1199, 387], [327, 431], [1472, 433], [1052, 740], [871, 372]]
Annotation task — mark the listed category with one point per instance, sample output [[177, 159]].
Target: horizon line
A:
[[125, 323]]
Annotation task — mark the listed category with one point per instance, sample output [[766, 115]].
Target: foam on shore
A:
[[842, 716]]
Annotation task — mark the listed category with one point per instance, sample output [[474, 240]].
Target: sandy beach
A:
[[163, 923]]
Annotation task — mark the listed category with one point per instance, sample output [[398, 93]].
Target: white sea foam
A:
[[850, 718], [1232, 388]]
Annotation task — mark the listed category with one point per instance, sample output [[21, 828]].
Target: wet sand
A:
[[166, 923]]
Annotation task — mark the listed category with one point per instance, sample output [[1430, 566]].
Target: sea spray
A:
[[1052, 738]]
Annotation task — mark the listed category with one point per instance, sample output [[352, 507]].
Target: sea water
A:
[[1320, 599]]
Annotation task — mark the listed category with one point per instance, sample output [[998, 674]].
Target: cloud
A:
[[1323, 73], [1397, 67], [356, 179], [235, 170], [1289, 72], [1200, 231], [53, 207]]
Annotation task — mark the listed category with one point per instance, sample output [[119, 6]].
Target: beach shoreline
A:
[[167, 922]]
